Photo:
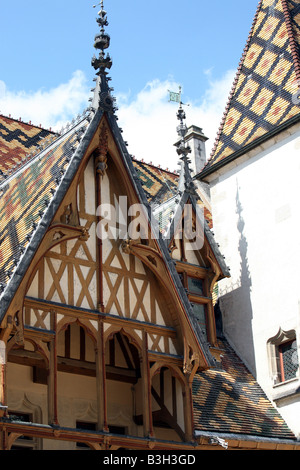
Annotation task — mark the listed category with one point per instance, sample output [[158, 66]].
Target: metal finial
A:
[[183, 150], [181, 129], [102, 64], [102, 42], [101, 4]]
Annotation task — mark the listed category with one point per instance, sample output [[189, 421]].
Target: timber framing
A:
[[106, 441]]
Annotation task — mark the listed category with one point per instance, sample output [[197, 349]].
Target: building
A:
[[253, 174], [109, 337]]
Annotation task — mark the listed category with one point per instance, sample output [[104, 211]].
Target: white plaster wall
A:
[[260, 239]]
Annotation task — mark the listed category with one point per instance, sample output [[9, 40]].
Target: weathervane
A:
[[174, 96], [182, 149], [101, 4]]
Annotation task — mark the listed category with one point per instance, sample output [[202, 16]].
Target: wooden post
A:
[[188, 415], [147, 408], [2, 378], [3, 439], [98, 176], [101, 380], [52, 376]]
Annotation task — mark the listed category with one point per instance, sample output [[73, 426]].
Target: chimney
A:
[[196, 141]]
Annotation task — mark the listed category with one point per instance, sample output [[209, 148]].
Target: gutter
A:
[[228, 440]]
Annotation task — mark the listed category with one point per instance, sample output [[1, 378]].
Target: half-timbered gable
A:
[[87, 289], [199, 264]]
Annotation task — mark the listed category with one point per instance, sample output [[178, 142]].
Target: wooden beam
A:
[[52, 377], [71, 311]]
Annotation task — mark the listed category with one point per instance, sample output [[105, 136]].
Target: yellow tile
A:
[[265, 63], [260, 18], [280, 71], [248, 92], [231, 121], [241, 80], [258, 133], [268, 28], [269, 3], [292, 85], [227, 151], [278, 5], [243, 131], [252, 55], [281, 36], [262, 101], [279, 107]]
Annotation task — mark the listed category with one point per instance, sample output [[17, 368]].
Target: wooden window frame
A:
[[282, 370], [275, 358]]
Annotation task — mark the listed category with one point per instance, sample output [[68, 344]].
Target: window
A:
[[283, 356], [288, 360], [200, 313], [196, 289], [196, 286]]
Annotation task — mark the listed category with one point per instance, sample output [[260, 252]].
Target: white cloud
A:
[[50, 108], [149, 121]]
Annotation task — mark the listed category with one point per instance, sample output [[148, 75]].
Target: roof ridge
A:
[[292, 40], [158, 167], [235, 82], [27, 123]]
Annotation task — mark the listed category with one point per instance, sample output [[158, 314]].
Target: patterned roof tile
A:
[[229, 400], [268, 78], [24, 198], [159, 185], [17, 140]]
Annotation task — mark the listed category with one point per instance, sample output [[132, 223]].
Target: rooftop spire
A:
[[103, 62], [183, 149]]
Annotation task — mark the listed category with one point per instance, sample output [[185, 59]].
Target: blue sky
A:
[[46, 72]]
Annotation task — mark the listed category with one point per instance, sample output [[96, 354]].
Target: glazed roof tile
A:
[[229, 400], [158, 184], [25, 195], [17, 140], [264, 94]]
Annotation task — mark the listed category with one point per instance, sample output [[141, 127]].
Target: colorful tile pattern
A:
[[24, 199], [229, 400], [158, 184], [264, 95], [17, 140]]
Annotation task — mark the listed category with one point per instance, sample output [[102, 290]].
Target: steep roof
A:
[[229, 400], [26, 192], [264, 97], [159, 184], [17, 140]]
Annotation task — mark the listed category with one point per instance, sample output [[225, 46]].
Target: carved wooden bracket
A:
[[69, 216], [61, 232], [191, 362], [102, 151], [148, 255]]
